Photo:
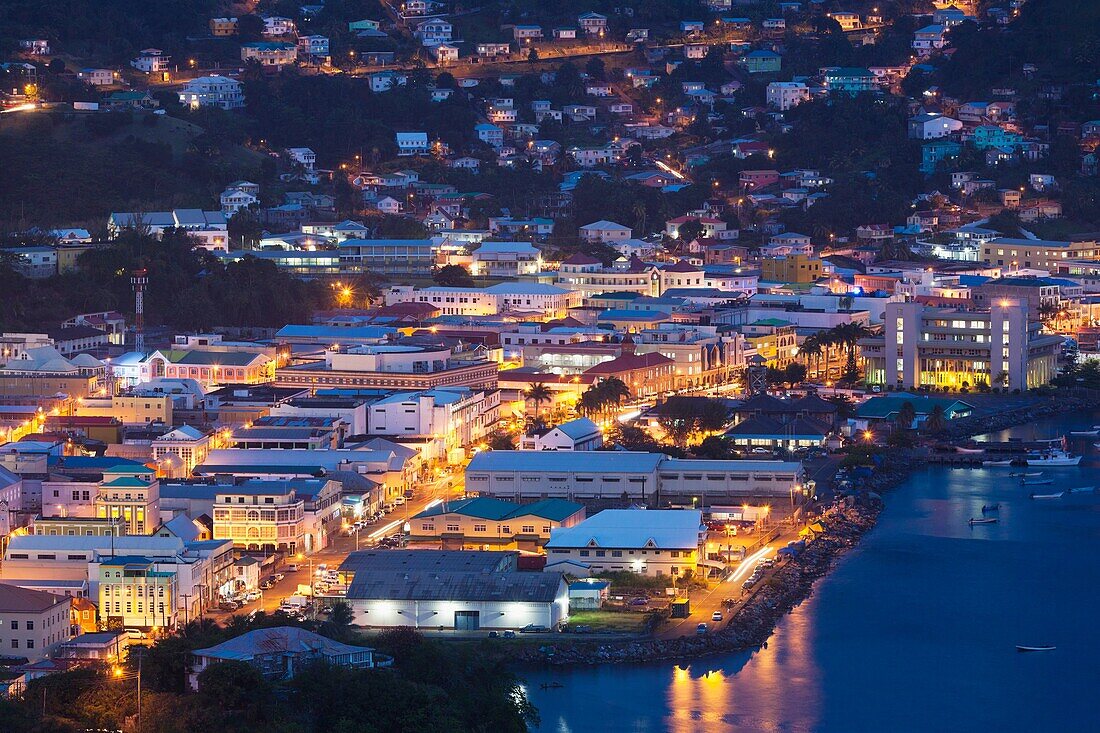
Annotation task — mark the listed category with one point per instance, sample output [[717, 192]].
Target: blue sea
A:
[[915, 630]]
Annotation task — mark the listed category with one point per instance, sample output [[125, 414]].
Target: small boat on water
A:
[[1081, 489], [960, 449], [1040, 482], [1053, 457], [1048, 496], [997, 463], [1023, 474], [1094, 431], [991, 507], [989, 520], [1038, 648]]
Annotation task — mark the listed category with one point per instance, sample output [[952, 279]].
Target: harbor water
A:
[[915, 630]]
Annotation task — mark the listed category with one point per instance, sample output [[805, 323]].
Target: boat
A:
[[1081, 490], [990, 520], [997, 463], [1085, 433], [1048, 496], [1022, 474], [1041, 482], [1053, 457], [991, 507], [960, 449], [1039, 648]]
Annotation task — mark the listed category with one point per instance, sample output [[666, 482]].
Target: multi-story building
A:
[[790, 269], [655, 542], [532, 299], [485, 523], [179, 450], [152, 61], [395, 366], [783, 95], [32, 622], [70, 526], [1038, 254], [212, 91], [288, 516], [389, 257], [611, 477], [447, 419], [129, 409], [223, 27], [135, 593], [955, 347], [132, 493], [270, 53]]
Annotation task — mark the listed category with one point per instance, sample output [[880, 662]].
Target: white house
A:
[[96, 77], [605, 231], [576, 435], [433, 31], [783, 95], [444, 53], [648, 542], [490, 134], [212, 91], [152, 61], [276, 25], [932, 125], [234, 199], [383, 81], [411, 143], [593, 24], [304, 157]]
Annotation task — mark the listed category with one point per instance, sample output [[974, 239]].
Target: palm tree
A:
[[936, 422], [906, 415], [538, 393], [811, 347]]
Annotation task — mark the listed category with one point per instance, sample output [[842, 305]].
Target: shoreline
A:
[[755, 621]]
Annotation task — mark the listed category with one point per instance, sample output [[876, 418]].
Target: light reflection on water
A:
[[914, 631]]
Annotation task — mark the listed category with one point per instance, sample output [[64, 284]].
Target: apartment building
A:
[[924, 346]]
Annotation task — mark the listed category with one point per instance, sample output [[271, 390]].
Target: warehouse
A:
[[464, 601]]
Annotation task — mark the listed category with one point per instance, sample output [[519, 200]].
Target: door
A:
[[467, 620]]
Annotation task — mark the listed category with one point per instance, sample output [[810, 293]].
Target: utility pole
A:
[[139, 280]]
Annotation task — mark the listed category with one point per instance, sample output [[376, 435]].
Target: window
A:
[[479, 527], [528, 529], [15, 643], [14, 625], [616, 553], [30, 643], [30, 626], [452, 527], [584, 553]]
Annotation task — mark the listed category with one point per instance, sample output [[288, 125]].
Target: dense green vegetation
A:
[[188, 288], [431, 687]]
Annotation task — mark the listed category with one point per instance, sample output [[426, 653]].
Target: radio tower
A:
[[139, 280]]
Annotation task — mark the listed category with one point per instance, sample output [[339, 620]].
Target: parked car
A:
[[398, 501], [135, 634], [639, 601], [292, 568], [534, 629], [253, 595], [228, 606], [716, 616], [509, 634], [494, 635], [278, 577], [701, 629], [267, 583]]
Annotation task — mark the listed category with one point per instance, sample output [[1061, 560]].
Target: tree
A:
[[690, 230], [595, 68], [907, 415], [533, 55], [685, 417], [936, 422], [538, 393], [236, 697], [250, 28], [341, 616], [501, 440], [453, 276]]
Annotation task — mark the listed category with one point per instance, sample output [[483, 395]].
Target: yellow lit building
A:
[[131, 410], [791, 269], [132, 493], [133, 593]]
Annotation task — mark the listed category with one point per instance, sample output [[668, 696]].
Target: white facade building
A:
[[648, 542], [212, 91]]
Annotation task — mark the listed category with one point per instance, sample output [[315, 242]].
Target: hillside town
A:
[[557, 320]]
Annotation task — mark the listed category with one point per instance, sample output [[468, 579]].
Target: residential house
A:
[[411, 143], [930, 126], [593, 24], [783, 95], [275, 54], [212, 91], [152, 61], [605, 231], [97, 77]]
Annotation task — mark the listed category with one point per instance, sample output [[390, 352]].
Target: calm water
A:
[[914, 631]]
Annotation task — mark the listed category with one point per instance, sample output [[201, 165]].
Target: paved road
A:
[[431, 493]]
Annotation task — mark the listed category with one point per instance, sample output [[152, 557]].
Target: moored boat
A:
[[1048, 496], [1035, 648], [991, 507], [960, 449], [1085, 433], [989, 520], [1053, 457], [997, 463], [1041, 482]]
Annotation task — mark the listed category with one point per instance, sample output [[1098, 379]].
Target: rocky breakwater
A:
[[753, 622], [1084, 402]]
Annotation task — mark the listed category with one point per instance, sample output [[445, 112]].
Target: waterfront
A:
[[915, 630]]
